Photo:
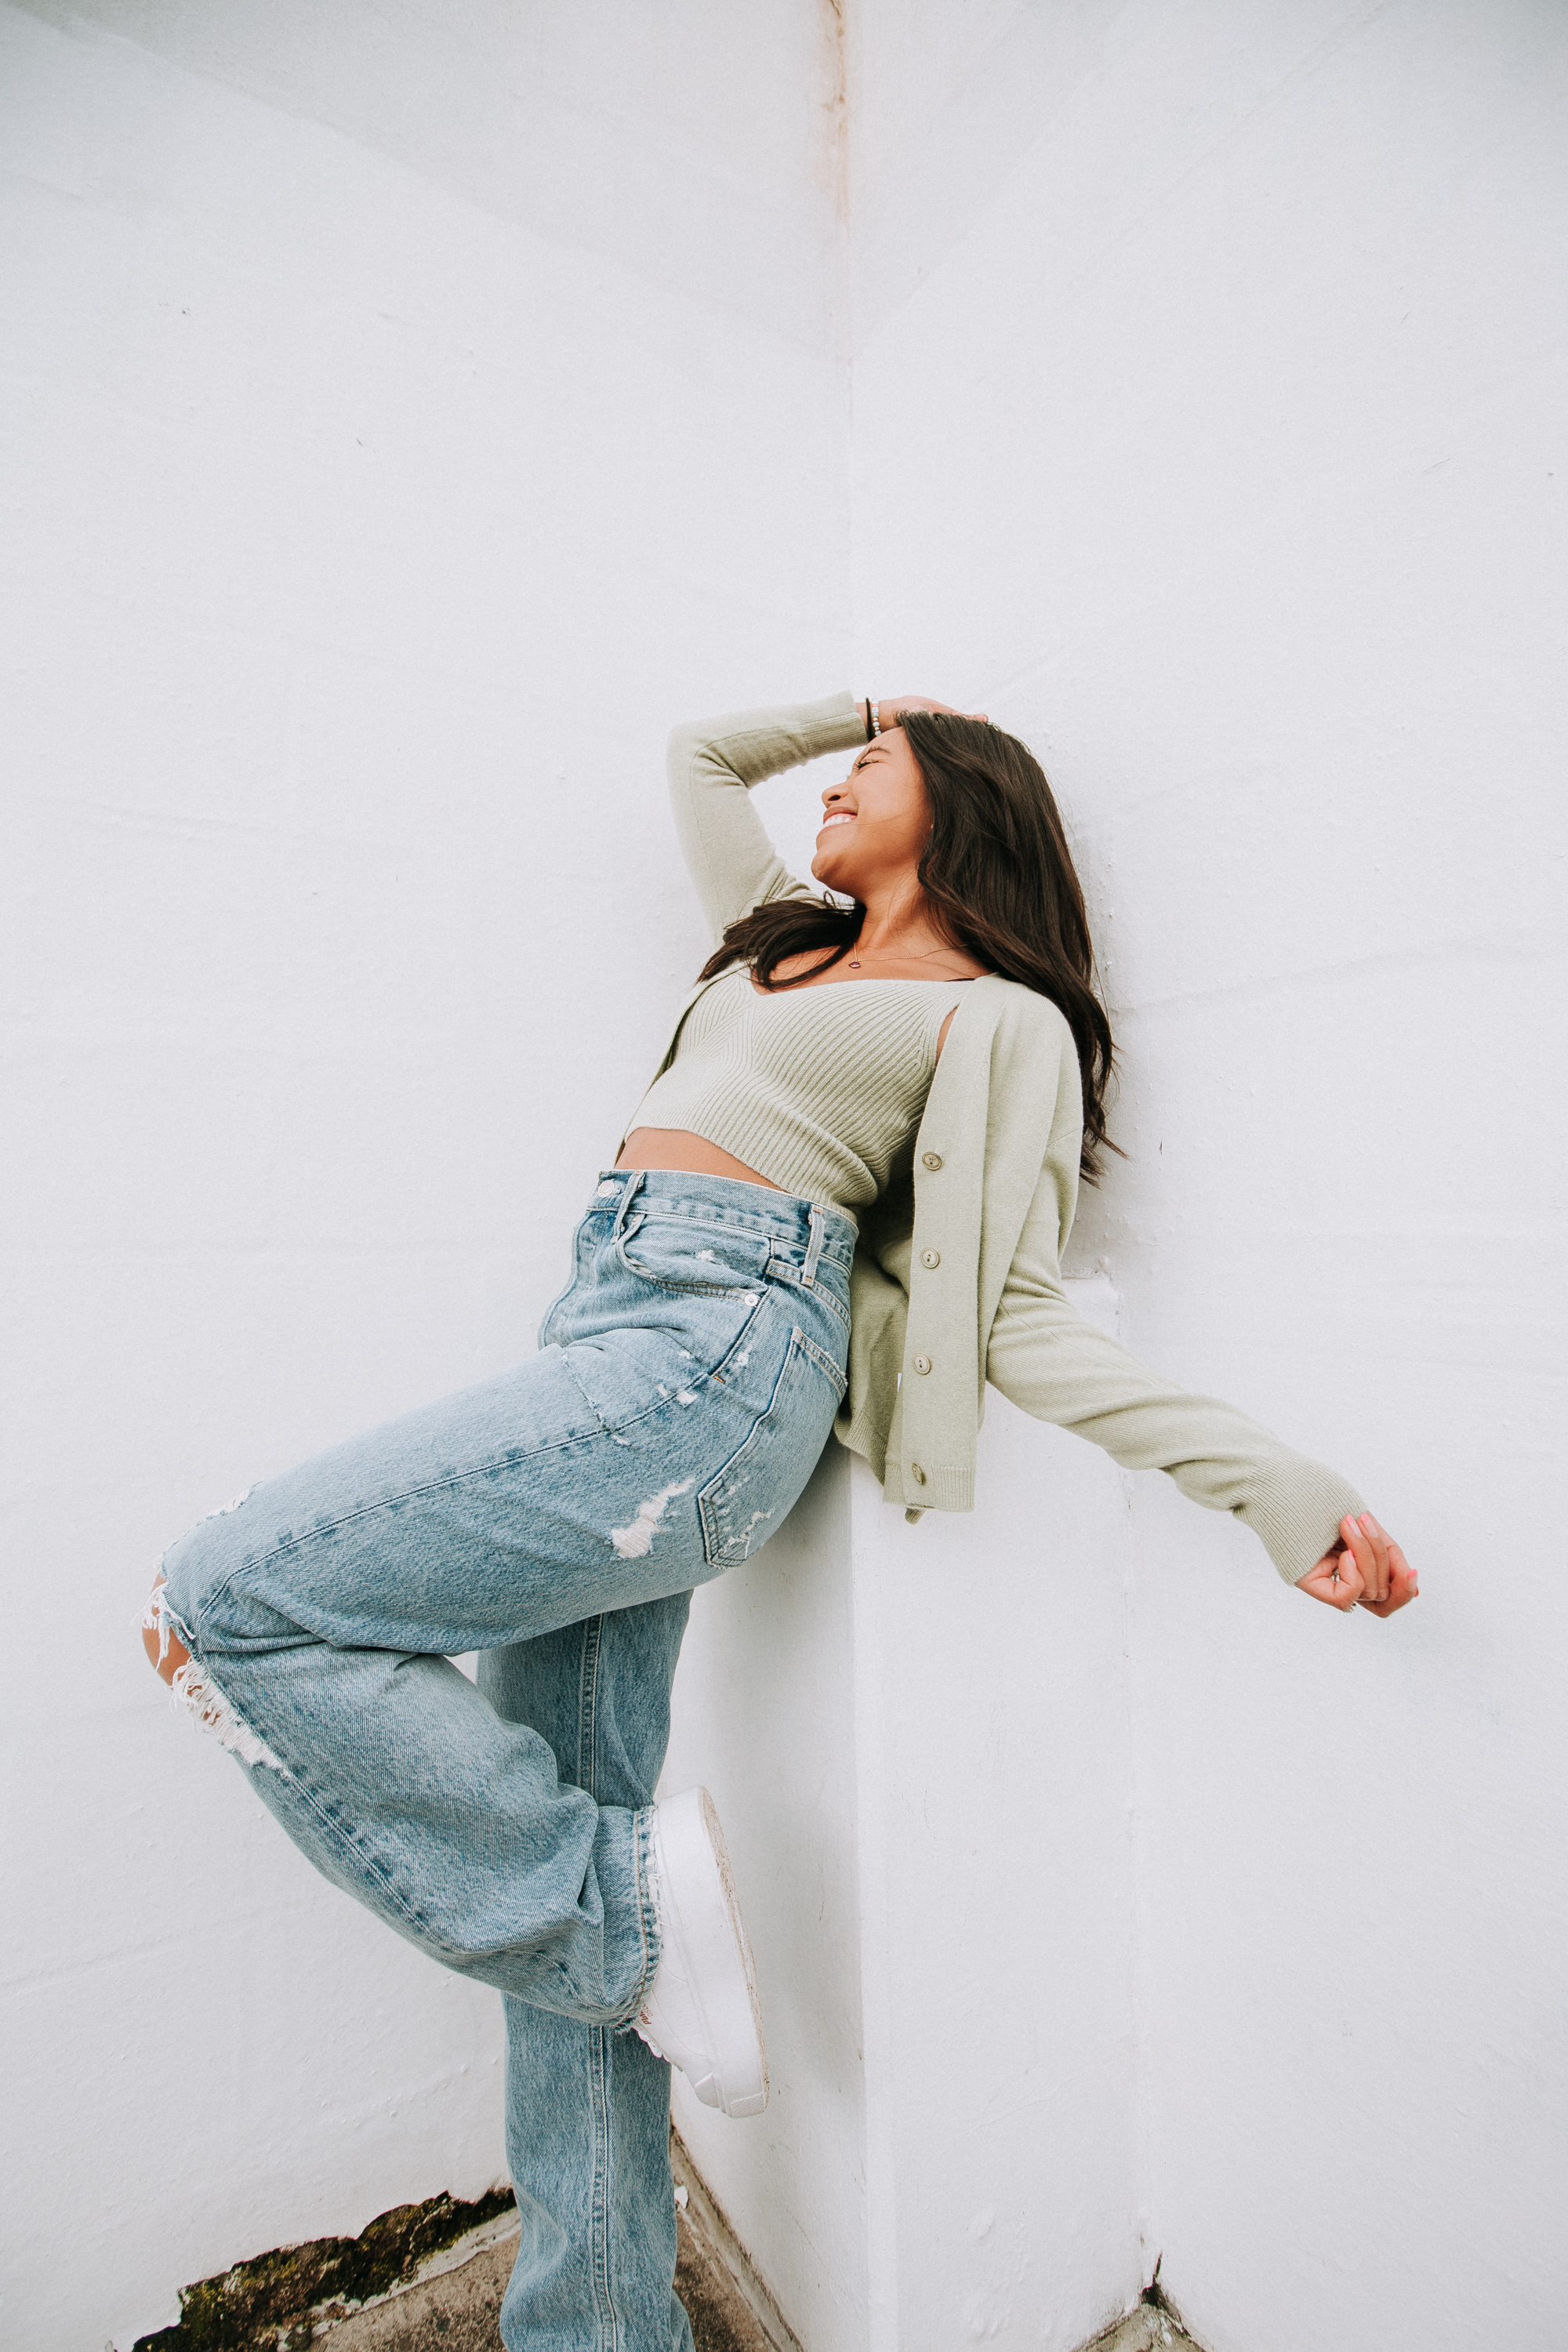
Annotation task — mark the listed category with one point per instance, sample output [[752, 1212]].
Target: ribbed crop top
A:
[[817, 1088]]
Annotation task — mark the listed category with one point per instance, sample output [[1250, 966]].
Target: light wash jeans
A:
[[555, 1519]]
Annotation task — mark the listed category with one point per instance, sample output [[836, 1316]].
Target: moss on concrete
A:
[[276, 2302]]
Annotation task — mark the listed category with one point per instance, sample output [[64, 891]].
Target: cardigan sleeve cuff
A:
[[837, 723], [1296, 1512]]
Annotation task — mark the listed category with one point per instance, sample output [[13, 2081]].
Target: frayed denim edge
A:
[[193, 1692]]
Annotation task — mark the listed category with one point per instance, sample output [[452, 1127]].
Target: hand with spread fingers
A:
[[1365, 1569]]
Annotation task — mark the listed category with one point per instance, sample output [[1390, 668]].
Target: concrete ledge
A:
[[325, 2283], [459, 2310], [449, 2298], [1151, 2327], [456, 2311]]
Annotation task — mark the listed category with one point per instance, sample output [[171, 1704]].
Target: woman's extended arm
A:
[[1046, 1359], [713, 763]]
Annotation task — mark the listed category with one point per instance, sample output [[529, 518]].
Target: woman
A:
[[862, 1150]]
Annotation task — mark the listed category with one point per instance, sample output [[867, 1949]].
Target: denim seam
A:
[[336, 1832], [801, 1347], [346, 1840], [607, 2325], [430, 1938], [587, 1780], [466, 1478], [778, 1269], [648, 1909], [587, 1706], [642, 1818], [820, 1357], [562, 1294], [605, 1429]]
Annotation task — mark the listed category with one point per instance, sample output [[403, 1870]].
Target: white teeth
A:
[[843, 818]]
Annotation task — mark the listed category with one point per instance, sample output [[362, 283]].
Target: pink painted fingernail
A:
[[1368, 1523]]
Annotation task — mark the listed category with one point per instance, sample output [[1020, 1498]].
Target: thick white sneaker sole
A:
[[702, 2011]]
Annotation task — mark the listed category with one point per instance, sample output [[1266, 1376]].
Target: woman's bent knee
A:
[[192, 1687]]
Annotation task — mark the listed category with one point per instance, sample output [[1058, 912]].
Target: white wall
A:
[[408, 411], [1208, 431], [766, 1716], [408, 414], [995, 1813]]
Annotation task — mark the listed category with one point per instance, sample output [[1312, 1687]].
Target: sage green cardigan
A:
[[957, 1274]]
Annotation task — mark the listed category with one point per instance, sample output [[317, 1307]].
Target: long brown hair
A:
[[999, 877]]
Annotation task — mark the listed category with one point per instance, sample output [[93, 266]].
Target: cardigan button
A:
[[923, 1363], [917, 1474], [931, 1257], [932, 1158]]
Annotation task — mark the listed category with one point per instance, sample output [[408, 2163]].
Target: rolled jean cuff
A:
[[645, 1908]]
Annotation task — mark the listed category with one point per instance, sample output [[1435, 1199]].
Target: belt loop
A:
[[814, 1247], [627, 1197]]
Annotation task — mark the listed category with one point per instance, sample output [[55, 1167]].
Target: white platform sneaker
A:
[[702, 2011]]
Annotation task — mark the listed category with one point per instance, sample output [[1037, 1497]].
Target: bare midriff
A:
[[692, 1155]]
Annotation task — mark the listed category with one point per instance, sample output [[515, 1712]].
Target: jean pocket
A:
[[758, 1487], [684, 1253]]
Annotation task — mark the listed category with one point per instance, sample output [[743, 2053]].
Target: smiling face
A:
[[876, 824]]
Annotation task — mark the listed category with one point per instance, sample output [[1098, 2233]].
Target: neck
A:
[[904, 941], [898, 923]]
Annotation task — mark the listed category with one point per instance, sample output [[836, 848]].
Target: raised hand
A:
[[1366, 1570]]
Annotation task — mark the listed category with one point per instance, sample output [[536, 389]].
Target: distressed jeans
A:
[[555, 1519]]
